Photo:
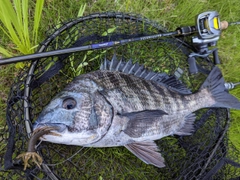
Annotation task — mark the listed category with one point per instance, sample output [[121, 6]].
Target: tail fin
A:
[[215, 83]]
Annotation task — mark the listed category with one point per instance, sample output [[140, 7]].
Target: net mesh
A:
[[207, 154]]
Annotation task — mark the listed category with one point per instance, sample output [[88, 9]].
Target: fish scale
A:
[[152, 95], [147, 101], [142, 90], [130, 86], [143, 94]]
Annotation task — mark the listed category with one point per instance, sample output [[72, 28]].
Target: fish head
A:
[[79, 118]]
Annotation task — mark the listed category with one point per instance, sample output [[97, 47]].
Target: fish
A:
[[125, 104]]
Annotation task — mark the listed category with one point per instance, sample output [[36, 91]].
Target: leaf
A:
[[19, 65], [37, 18], [8, 18], [110, 30], [26, 37], [81, 10], [5, 52], [15, 23], [34, 47]]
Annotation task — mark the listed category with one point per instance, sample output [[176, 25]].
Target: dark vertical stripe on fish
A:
[[144, 99], [164, 98], [114, 79], [175, 99], [184, 101], [135, 91], [154, 100]]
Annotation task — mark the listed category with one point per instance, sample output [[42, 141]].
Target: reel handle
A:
[[216, 57], [192, 65]]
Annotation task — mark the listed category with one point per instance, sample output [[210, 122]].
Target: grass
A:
[[170, 13], [16, 24]]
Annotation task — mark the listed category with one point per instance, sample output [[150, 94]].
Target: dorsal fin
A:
[[171, 82]]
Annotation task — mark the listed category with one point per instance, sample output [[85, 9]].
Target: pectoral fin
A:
[[148, 152], [146, 115], [142, 122]]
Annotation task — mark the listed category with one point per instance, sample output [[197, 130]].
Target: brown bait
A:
[[31, 152]]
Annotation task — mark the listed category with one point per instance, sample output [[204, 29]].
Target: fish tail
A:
[[215, 84]]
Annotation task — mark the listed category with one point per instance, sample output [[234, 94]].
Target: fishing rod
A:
[[208, 27], [83, 48]]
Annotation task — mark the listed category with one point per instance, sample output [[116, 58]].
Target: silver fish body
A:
[[110, 108]]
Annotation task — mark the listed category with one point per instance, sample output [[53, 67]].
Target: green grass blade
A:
[[25, 24], [81, 10], [5, 52], [9, 18], [15, 19], [13, 36], [18, 10], [21, 21], [10, 13], [37, 18]]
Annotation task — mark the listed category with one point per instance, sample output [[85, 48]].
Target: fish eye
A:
[[69, 103]]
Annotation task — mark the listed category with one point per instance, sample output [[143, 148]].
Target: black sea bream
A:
[[109, 108]]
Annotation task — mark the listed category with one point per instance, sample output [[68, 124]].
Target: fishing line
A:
[[68, 159], [64, 160], [234, 23]]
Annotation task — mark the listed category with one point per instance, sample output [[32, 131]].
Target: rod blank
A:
[[103, 45]]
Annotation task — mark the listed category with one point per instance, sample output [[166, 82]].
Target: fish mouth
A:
[[67, 134], [59, 127]]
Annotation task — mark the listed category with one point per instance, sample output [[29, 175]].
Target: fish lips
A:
[[69, 136], [59, 127]]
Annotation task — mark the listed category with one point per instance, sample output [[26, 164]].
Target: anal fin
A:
[[147, 151]]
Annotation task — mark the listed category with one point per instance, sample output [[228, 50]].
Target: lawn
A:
[[169, 13]]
